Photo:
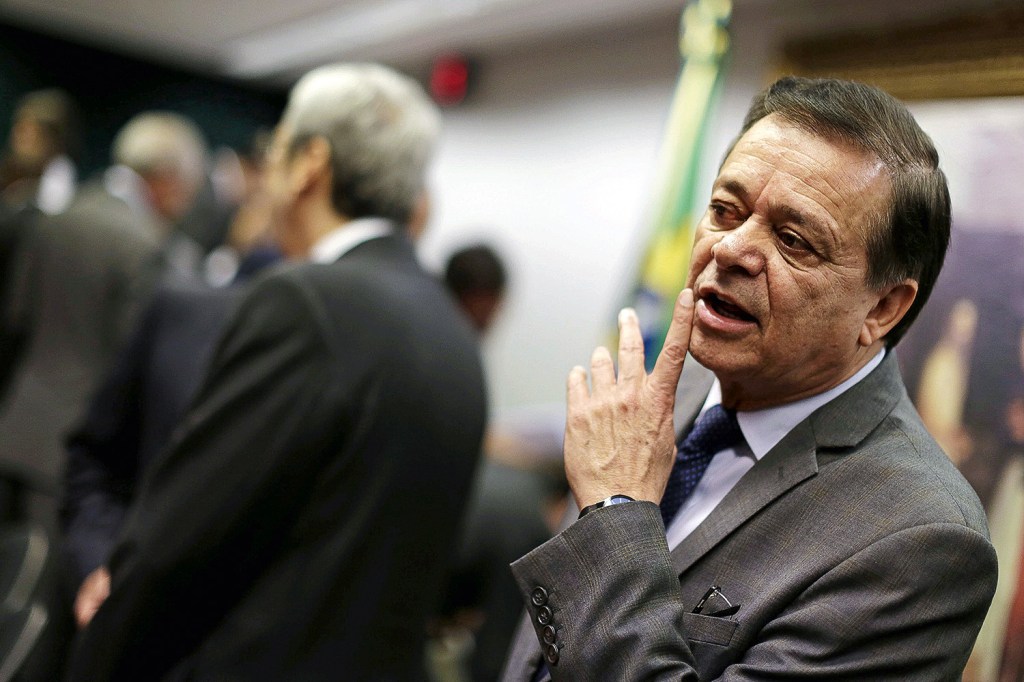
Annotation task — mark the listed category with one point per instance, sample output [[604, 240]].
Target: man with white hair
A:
[[160, 166], [301, 521]]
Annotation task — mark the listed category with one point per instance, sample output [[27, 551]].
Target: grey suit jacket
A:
[[854, 549], [83, 280]]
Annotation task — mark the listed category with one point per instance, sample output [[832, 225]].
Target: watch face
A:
[[608, 501]]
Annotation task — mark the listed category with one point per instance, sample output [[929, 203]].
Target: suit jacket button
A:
[[539, 597], [544, 615], [548, 633], [551, 654]]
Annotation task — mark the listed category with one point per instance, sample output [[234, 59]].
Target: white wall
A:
[[552, 162]]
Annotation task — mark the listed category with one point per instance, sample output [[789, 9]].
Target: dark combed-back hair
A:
[[475, 269], [910, 241]]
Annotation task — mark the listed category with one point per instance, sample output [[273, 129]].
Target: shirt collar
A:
[[763, 429], [346, 237], [125, 184]]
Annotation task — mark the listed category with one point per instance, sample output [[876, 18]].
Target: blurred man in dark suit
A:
[[139, 403], [299, 525], [129, 422]]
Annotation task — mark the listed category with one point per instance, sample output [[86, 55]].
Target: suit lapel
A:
[[787, 464], [840, 423]]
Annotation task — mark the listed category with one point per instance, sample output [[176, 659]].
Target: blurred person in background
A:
[[133, 414], [476, 277], [80, 280], [300, 523], [38, 168], [36, 174], [249, 244], [517, 498], [77, 281], [159, 169]]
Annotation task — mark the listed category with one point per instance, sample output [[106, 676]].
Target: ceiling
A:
[[277, 39]]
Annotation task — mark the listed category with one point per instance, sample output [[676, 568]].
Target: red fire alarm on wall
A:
[[450, 79]]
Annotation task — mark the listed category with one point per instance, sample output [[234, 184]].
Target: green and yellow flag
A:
[[704, 46]]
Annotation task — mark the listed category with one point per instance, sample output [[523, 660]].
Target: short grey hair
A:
[[161, 141], [381, 127]]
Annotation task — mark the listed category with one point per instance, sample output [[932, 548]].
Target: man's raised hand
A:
[[619, 434]]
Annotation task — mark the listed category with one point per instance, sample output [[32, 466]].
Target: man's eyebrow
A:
[[779, 210], [816, 230], [732, 187], [791, 215]]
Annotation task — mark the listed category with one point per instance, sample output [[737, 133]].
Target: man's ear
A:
[[892, 305], [312, 162]]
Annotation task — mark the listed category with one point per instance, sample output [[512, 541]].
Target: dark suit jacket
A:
[[854, 548], [132, 415], [504, 519], [299, 527]]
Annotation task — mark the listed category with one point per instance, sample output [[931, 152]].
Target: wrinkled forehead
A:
[[811, 147], [777, 161]]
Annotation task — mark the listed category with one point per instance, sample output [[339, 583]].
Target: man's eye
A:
[[793, 241], [722, 211]]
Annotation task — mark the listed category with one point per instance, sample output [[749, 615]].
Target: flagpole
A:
[[704, 48]]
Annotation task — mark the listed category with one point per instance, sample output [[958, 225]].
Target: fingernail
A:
[[626, 314], [686, 298]]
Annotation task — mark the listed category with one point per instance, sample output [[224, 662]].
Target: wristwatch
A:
[[606, 502]]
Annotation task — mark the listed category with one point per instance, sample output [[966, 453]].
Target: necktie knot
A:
[[716, 430]]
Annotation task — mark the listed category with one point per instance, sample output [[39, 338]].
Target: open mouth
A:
[[726, 309]]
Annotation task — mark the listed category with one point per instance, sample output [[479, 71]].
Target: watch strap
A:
[[606, 502]]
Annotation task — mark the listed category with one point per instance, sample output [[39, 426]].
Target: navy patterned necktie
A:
[[716, 430]]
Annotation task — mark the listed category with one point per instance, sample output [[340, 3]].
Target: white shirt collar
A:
[[57, 185], [346, 237], [128, 186], [763, 429]]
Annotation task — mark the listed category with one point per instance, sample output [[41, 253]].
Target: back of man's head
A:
[[381, 128], [475, 268], [475, 275], [910, 241], [167, 145]]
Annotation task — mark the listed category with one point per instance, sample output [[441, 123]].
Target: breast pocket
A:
[[708, 630]]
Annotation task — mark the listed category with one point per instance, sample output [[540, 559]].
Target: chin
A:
[[716, 355]]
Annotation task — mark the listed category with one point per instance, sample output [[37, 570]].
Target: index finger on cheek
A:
[[669, 364]]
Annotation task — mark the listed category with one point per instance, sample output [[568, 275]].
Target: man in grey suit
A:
[[79, 281], [825, 535]]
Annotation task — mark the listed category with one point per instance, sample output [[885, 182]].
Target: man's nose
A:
[[742, 248]]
